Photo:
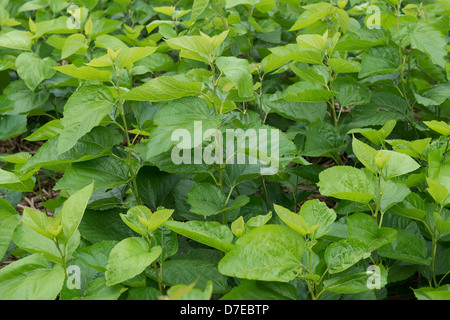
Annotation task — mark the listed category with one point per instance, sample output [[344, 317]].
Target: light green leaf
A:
[[268, 253], [210, 233], [75, 43], [33, 69], [343, 254], [84, 73], [343, 66], [31, 278], [131, 55], [238, 71], [439, 126], [73, 210], [8, 223], [346, 183], [19, 40], [316, 213], [293, 220], [129, 258], [429, 40], [163, 88]]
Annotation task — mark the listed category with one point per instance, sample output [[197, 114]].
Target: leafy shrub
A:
[[124, 106]]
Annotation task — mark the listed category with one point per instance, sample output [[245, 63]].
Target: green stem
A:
[[263, 181], [63, 256], [134, 188], [433, 258]]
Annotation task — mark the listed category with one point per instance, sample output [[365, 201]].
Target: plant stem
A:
[[134, 188], [263, 181], [63, 256]]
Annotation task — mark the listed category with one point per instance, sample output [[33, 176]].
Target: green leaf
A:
[[407, 247], [210, 233], [397, 165], [314, 41], [439, 192], [163, 88], [346, 183], [99, 290], [33, 70], [96, 256], [428, 293], [261, 290], [94, 144], [299, 54], [129, 258], [206, 199], [84, 73], [312, 13], [322, 139], [316, 213], [104, 225], [8, 223], [105, 172], [186, 271], [84, 110], [186, 114], [131, 55], [429, 40], [316, 73], [343, 66], [46, 131], [364, 227], [198, 6], [350, 92], [19, 40], [75, 43], [268, 253], [293, 220], [299, 111], [379, 60], [31, 278], [354, 283], [73, 210], [438, 126], [12, 126], [343, 254], [197, 47], [238, 71], [39, 222]]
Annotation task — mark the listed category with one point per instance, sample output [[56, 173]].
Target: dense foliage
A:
[[346, 198]]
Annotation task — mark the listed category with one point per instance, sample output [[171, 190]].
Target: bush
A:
[[226, 149]]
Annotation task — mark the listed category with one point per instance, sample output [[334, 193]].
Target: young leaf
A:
[[210, 233], [129, 258], [347, 183]]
